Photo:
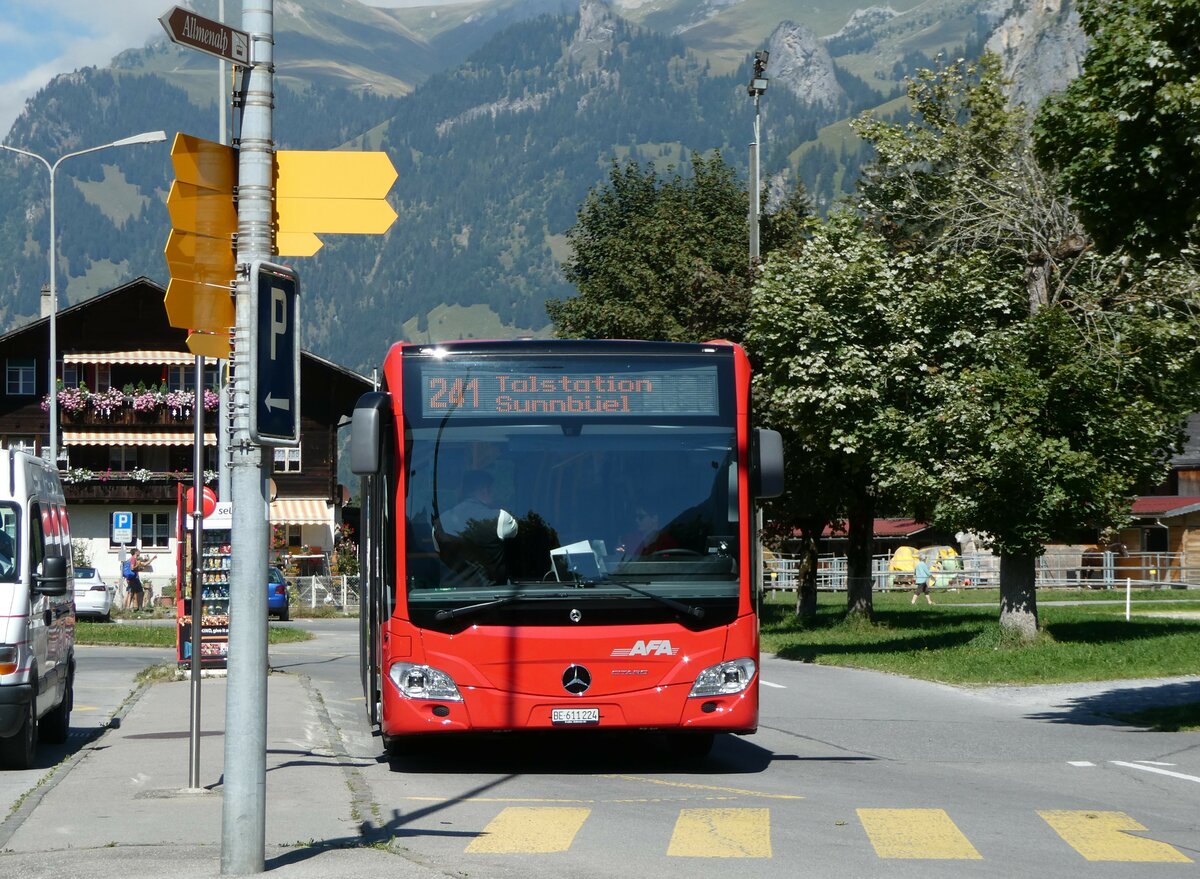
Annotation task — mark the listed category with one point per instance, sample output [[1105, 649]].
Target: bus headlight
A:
[[724, 679], [423, 682]]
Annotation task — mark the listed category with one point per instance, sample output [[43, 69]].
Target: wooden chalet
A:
[[127, 426]]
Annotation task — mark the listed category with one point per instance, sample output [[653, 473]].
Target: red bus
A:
[[560, 534]]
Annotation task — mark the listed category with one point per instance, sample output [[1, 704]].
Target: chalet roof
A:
[[1165, 506], [150, 340], [884, 528]]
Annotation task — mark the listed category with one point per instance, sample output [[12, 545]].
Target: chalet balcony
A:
[[126, 417], [81, 485], [141, 406]]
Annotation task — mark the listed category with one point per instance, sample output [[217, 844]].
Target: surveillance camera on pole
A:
[[758, 84]]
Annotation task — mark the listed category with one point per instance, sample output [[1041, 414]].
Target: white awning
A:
[[131, 438], [301, 511], [155, 357]]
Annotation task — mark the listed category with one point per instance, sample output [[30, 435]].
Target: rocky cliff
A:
[[1040, 42], [801, 64]]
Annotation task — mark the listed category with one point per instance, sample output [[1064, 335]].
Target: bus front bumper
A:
[[666, 709]]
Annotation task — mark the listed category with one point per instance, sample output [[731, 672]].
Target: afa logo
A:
[[653, 647]]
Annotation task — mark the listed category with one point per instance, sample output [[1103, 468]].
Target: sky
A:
[[40, 39]]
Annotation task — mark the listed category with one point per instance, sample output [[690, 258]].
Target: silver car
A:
[[93, 597]]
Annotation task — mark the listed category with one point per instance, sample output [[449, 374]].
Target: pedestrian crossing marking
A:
[[721, 833], [1103, 836], [927, 834], [913, 834], [530, 830]]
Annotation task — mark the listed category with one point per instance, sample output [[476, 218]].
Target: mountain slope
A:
[[495, 153]]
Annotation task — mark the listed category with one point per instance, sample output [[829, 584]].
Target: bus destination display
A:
[[482, 390]]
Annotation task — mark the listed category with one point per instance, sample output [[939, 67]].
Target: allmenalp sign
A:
[[189, 29]]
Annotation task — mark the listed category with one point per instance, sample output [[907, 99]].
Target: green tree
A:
[[1123, 133], [1053, 414], [823, 333], [665, 259]]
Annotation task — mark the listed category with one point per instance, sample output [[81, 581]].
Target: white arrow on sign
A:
[[277, 403]]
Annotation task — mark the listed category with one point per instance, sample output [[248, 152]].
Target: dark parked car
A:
[[277, 595]]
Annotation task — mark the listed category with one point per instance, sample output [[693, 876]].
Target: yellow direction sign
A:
[[215, 345], [334, 191], [201, 211], [199, 258], [199, 306], [296, 243], [332, 174], [204, 163], [364, 216]]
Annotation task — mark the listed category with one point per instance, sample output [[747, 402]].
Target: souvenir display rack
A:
[[215, 558]]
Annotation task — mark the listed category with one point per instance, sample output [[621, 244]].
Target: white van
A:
[[37, 612]]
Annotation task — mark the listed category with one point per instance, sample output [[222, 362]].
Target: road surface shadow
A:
[[1099, 709]]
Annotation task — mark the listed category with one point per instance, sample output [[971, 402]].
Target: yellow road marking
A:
[[84, 708], [722, 833], [1102, 836], [520, 830], [916, 833], [495, 800], [620, 801], [690, 786]]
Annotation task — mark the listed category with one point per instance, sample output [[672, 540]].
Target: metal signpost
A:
[[282, 200]]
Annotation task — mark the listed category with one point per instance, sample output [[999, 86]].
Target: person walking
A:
[[130, 569], [922, 580]]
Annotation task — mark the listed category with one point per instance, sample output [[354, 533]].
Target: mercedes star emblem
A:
[[576, 680]]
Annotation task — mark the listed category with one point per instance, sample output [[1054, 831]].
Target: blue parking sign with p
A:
[[122, 527]]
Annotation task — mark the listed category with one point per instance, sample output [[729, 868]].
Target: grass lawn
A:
[[954, 643], [142, 635]]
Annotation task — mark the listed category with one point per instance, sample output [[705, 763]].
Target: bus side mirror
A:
[[53, 578], [366, 432], [766, 463]]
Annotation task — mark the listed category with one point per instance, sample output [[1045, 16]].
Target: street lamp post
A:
[[758, 86], [144, 137]]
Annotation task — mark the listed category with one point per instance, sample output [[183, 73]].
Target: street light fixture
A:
[[144, 137], [758, 86]]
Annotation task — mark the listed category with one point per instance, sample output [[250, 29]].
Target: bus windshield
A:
[[531, 495]]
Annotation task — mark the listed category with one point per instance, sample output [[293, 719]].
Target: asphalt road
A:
[[851, 774]]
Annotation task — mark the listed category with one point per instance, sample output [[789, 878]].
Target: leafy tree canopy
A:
[[1125, 135], [1057, 419], [963, 350], [665, 259]]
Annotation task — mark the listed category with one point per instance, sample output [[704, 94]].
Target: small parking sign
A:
[[122, 527]]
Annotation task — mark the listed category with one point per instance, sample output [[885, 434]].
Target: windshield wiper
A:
[[690, 610], [451, 613]]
